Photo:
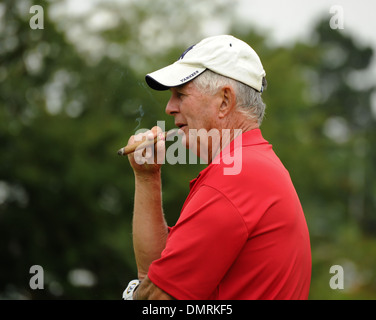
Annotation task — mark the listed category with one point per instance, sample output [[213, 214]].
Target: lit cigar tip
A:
[[120, 152]]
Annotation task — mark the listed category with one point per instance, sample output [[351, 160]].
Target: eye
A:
[[180, 94]]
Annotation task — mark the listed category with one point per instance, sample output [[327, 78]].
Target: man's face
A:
[[192, 111]]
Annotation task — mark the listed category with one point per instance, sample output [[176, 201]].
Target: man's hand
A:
[[149, 226], [149, 291], [147, 161]]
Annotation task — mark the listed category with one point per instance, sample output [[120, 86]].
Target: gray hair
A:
[[248, 100]]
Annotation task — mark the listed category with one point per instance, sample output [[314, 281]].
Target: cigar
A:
[[146, 143]]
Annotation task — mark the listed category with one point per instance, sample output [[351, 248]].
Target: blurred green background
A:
[[72, 93]]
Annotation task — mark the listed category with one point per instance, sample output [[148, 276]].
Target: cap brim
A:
[[173, 75]]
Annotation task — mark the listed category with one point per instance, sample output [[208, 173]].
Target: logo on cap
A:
[[185, 52], [190, 76]]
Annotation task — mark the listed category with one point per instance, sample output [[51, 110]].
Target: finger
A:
[[148, 151], [160, 146], [137, 137], [138, 154], [157, 129], [160, 149], [138, 157], [130, 140], [150, 135]]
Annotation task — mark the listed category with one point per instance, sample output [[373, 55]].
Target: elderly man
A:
[[241, 234]]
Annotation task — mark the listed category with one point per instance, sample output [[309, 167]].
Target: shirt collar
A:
[[249, 138]]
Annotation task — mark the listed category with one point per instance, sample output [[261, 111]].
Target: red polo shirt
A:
[[241, 236]]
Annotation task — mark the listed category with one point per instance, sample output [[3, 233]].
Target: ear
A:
[[227, 94]]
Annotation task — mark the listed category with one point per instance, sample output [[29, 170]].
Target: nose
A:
[[172, 106]]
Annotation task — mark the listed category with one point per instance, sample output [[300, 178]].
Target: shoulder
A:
[[246, 164]]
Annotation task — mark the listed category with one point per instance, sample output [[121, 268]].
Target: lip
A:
[[180, 125]]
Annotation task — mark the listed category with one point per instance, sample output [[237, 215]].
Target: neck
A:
[[227, 134]]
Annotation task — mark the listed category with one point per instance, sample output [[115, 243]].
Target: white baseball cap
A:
[[224, 54]]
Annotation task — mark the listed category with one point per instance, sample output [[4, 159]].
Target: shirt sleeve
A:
[[201, 247]]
